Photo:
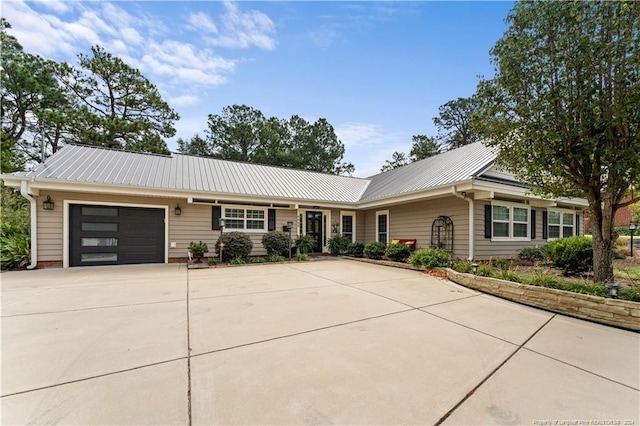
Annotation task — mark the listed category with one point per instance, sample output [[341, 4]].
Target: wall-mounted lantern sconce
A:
[[221, 223], [177, 210], [613, 289], [474, 266], [48, 204]]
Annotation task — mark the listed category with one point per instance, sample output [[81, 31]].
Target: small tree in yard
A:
[[563, 106]]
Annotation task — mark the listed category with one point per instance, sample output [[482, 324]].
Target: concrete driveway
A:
[[322, 342]]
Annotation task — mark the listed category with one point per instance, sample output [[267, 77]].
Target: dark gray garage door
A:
[[111, 235]]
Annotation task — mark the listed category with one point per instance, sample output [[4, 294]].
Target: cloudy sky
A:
[[377, 71]]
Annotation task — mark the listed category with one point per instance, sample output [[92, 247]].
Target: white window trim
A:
[[511, 206], [245, 208], [353, 222], [380, 213], [561, 211]]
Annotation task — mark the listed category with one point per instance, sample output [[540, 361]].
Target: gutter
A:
[[469, 200], [34, 226]]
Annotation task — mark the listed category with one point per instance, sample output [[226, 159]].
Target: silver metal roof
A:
[[212, 177], [453, 166], [92, 165]]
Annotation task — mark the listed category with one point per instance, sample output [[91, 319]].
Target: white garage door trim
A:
[[65, 223]]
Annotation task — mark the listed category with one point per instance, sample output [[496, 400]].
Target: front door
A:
[[314, 228]]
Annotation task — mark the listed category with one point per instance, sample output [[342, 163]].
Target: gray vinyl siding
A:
[[193, 225], [486, 249], [414, 220]]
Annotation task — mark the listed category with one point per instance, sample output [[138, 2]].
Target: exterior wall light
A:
[[221, 245], [48, 204], [474, 266], [613, 289], [177, 210], [632, 230]]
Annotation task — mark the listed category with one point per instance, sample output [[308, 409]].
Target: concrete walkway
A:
[[323, 342]]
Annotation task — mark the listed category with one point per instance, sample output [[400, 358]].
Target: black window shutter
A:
[[533, 224], [216, 214], [487, 221], [544, 225], [272, 220], [577, 225]]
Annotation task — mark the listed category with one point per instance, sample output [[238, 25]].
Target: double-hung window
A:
[[347, 225], [382, 226], [244, 218], [510, 221], [560, 224]]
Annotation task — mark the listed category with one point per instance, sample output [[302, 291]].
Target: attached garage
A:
[[115, 235]]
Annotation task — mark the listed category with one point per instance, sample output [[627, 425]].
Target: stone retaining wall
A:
[[619, 313]]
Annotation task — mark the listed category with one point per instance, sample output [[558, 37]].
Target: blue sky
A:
[[377, 71]]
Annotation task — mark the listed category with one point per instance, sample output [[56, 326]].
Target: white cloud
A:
[[201, 22], [183, 101], [244, 29], [56, 5]]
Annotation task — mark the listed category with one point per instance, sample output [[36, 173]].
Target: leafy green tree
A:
[[398, 159], [114, 105], [563, 106], [455, 122], [194, 146], [423, 147], [242, 133]]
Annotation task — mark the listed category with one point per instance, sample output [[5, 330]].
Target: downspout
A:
[[34, 229], [469, 200]]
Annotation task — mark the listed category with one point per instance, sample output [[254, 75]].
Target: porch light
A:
[[474, 266], [613, 289], [221, 223], [48, 204], [177, 210]]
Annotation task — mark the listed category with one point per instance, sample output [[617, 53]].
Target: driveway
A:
[[321, 342]]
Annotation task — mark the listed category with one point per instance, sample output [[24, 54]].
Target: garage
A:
[[115, 235]]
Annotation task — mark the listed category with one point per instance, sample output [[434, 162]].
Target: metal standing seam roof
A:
[[94, 165], [100, 166], [453, 166]]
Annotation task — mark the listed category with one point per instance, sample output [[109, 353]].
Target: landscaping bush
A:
[[572, 254], [500, 263], [257, 260], [338, 244], [276, 242], [198, 247], [301, 257], [274, 258], [462, 266], [533, 254], [237, 261], [484, 270], [236, 244], [356, 249], [212, 261], [397, 252], [15, 214], [374, 250], [429, 258], [622, 230], [15, 251], [305, 243]]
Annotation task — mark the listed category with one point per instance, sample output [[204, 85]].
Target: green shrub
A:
[[305, 243], [257, 260], [542, 280], [276, 242], [500, 263], [397, 252], [429, 258], [212, 261], [573, 254], [632, 294], [338, 244], [274, 258], [198, 247], [301, 257], [15, 252], [356, 249], [622, 230], [374, 250], [533, 254], [462, 266], [508, 275], [237, 261], [236, 244], [484, 270], [15, 213]]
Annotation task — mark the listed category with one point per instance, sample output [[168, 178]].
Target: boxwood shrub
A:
[[429, 258], [397, 252], [572, 254], [236, 244], [374, 250], [338, 244], [276, 242], [356, 249]]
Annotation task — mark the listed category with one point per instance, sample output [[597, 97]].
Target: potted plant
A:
[[198, 250]]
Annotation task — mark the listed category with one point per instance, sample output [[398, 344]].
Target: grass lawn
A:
[[632, 272]]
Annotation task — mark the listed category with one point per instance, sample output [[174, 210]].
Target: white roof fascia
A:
[[418, 195], [525, 193]]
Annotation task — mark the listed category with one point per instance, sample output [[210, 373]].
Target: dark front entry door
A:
[[314, 228], [112, 235]]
